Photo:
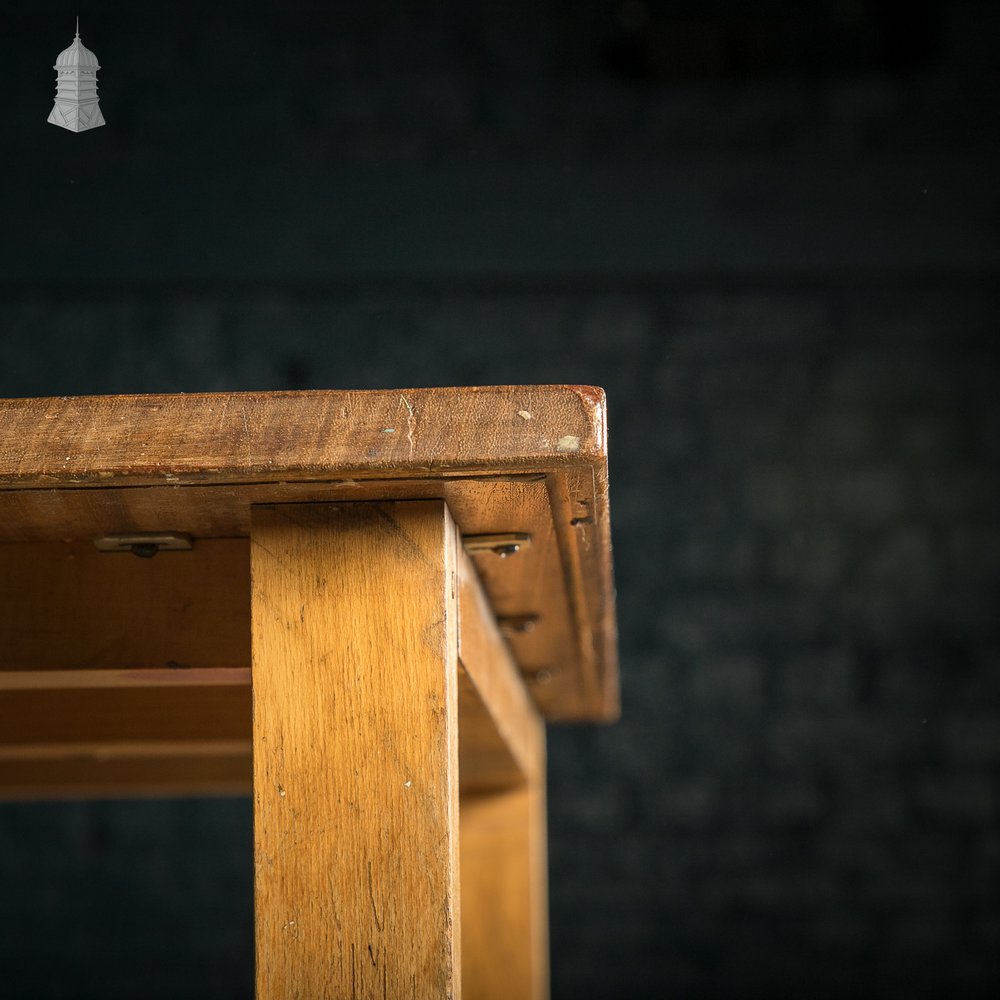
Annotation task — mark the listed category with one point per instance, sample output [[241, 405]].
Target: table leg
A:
[[354, 625], [503, 828], [504, 904]]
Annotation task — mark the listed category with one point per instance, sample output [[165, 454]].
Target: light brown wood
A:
[[389, 668], [355, 751], [506, 459], [196, 609], [64, 605], [500, 730], [504, 894], [503, 841], [192, 608], [222, 510], [163, 715], [167, 717], [74, 716], [254, 437]]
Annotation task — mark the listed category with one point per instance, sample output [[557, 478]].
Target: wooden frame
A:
[[398, 682]]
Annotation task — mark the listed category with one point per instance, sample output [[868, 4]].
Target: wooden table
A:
[[414, 580]]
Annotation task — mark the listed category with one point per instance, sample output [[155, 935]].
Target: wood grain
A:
[[115, 715], [355, 751], [75, 729], [503, 842], [177, 770], [64, 605], [504, 894], [500, 730], [111, 733], [508, 458], [252, 436], [60, 719]]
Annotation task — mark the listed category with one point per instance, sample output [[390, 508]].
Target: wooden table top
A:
[[509, 460]]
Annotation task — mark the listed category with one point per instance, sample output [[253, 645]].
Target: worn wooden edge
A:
[[248, 436], [583, 531]]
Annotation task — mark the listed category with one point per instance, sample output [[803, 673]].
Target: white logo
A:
[[77, 106]]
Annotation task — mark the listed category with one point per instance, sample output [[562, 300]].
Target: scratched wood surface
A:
[[250, 437], [508, 458], [355, 751]]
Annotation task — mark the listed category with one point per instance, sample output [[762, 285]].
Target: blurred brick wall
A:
[[802, 796]]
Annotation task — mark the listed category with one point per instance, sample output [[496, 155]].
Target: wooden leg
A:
[[503, 837], [354, 630], [504, 904]]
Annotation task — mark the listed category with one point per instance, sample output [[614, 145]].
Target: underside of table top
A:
[[509, 460]]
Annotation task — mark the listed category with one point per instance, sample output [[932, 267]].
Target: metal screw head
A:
[[503, 545], [511, 625], [144, 544]]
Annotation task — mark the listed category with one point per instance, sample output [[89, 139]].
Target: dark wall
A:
[[773, 238]]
